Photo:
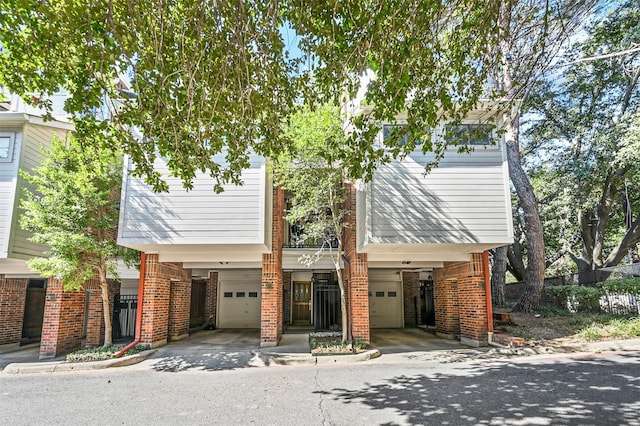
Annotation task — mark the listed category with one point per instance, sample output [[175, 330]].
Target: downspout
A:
[[487, 289], [136, 340]]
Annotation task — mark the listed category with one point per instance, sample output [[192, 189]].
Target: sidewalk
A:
[[294, 349]]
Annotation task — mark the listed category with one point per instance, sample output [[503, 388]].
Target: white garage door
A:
[[239, 298], [385, 299]]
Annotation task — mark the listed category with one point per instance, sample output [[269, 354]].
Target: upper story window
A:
[[471, 134], [391, 129], [6, 146]]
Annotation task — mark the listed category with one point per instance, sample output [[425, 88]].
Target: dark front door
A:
[[302, 302]]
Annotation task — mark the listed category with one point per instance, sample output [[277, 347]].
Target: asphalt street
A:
[[395, 389]]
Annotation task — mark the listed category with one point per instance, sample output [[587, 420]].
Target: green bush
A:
[[622, 286], [578, 298]]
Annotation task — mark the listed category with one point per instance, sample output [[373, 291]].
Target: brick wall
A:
[[411, 292], [271, 324], [156, 300], [211, 305], [460, 300], [356, 275], [63, 320], [180, 307], [13, 293]]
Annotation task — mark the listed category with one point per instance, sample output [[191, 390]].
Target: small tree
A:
[[73, 208], [315, 175]]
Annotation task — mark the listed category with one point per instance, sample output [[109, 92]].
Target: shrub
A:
[[578, 298], [102, 353]]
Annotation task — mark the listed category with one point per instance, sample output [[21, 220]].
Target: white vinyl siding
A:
[[198, 216], [8, 185], [239, 298], [34, 136], [463, 200]]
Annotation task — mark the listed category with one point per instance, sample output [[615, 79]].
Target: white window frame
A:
[[493, 136], [12, 139]]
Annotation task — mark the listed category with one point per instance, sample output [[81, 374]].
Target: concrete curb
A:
[[309, 359], [62, 366]]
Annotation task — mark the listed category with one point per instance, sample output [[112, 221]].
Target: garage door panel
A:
[[239, 299], [385, 299]]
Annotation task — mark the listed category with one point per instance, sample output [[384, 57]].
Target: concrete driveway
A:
[[209, 350], [397, 340]]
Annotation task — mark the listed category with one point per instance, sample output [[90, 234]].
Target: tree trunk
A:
[[534, 274], [104, 289], [498, 275], [343, 301]]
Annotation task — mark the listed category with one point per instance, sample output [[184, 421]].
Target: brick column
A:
[[473, 304], [156, 301], [411, 292], [271, 305], [460, 299], [180, 307], [210, 308], [95, 323], [63, 320], [13, 295], [356, 274], [445, 299]]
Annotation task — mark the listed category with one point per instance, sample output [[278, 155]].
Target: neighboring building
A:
[[413, 253], [25, 316], [22, 292]]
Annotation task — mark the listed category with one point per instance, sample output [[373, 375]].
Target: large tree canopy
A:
[[212, 76]]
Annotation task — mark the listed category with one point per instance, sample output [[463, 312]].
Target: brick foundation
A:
[[13, 294], [460, 301], [271, 323], [63, 320], [411, 296]]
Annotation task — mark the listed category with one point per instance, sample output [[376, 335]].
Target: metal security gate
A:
[[198, 300], [34, 310], [125, 308], [326, 301], [427, 305]]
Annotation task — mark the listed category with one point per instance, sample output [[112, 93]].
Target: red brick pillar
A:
[[473, 304], [271, 305], [155, 303], [95, 323], [180, 307], [460, 301], [13, 295], [445, 299], [212, 299], [356, 274], [411, 292], [63, 320]]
